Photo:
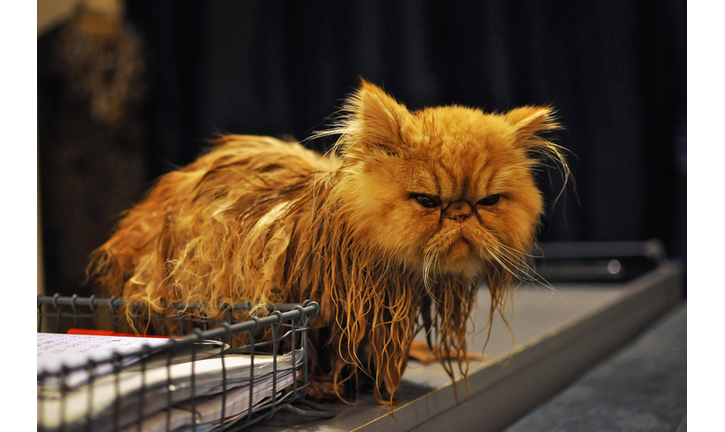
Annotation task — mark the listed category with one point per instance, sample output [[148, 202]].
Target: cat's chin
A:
[[461, 248], [460, 258], [463, 266]]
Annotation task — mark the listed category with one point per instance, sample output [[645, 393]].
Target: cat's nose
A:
[[458, 211]]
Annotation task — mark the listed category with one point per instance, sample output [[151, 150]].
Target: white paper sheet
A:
[[97, 401], [56, 350]]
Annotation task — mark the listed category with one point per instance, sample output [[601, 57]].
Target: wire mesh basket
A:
[[205, 375]]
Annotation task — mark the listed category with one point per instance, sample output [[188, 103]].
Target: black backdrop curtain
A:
[[614, 70]]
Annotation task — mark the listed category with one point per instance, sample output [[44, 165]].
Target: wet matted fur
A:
[[392, 232]]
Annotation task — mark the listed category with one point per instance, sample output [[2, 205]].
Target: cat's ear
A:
[[529, 121], [372, 123]]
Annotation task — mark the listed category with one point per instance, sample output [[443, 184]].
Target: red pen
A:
[[88, 332]]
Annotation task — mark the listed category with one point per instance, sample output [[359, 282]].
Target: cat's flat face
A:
[[456, 193], [443, 190]]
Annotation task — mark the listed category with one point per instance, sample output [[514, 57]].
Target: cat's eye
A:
[[490, 200], [427, 201]]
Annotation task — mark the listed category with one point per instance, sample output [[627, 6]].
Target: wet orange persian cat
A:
[[391, 233]]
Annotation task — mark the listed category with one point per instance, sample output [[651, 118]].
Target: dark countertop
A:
[[558, 334], [642, 387]]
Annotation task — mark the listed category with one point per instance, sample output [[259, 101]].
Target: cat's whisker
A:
[[518, 252], [517, 261], [428, 266], [505, 267], [511, 257], [526, 273]]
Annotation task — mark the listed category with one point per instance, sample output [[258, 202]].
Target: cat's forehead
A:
[[455, 128], [461, 152], [462, 180]]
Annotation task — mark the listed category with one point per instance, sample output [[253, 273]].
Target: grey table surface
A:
[[642, 387], [556, 333]]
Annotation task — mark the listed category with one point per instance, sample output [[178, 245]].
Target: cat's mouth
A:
[[453, 252], [458, 253], [460, 247], [461, 258]]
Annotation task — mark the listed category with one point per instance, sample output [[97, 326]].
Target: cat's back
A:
[[243, 169], [241, 178], [228, 202], [249, 159]]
